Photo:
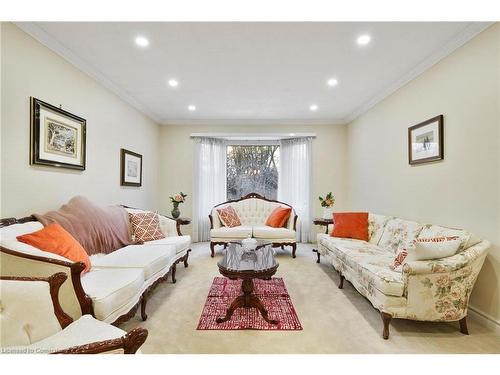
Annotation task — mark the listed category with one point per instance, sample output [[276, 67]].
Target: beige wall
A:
[[30, 69], [461, 191], [328, 153]]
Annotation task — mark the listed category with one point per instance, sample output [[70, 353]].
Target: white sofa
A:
[[32, 322], [427, 290], [117, 282], [253, 210]]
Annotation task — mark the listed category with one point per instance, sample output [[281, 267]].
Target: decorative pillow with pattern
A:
[[228, 217], [399, 233], [466, 238], [376, 224], [426, 249], [399, 260], [145, 226]]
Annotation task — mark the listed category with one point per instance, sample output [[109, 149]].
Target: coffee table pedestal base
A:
[[247, 300]]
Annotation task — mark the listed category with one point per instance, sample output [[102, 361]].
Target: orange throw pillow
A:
[[278, 217], [350, 225], [54, 239]]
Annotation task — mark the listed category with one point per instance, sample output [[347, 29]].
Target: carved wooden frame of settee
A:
[[255, 196], [130, 342], [76, 268]]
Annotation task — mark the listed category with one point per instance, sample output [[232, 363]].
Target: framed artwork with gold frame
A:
[[57, 137]]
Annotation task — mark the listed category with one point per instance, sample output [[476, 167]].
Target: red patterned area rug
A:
[[273, 295]]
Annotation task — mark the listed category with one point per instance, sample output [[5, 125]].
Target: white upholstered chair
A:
[[33, 322]]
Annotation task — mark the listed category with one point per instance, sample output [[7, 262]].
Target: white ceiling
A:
[[253, 72]]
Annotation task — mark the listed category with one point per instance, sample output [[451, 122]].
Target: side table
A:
[[324, 223]]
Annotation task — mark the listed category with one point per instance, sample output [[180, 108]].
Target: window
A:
[[252, 169]]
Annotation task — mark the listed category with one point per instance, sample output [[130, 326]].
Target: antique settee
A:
[[427, 290], [253, 210], [116, 284]]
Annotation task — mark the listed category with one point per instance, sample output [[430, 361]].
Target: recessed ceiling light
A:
[[313, 107], [173, 83], [192, 108], [332, 82], [363, 39], [292, 134], [141, 41]]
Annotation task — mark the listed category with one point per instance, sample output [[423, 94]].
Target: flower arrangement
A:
[[178, 198], [328, 201]]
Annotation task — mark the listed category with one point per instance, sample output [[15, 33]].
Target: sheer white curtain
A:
[[209, 183], [294, 185]]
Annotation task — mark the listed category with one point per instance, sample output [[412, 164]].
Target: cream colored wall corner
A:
[[461, 191], [31, 69], [328, 154]]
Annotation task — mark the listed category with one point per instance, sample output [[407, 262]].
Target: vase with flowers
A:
[[327, 203], [177, 199]]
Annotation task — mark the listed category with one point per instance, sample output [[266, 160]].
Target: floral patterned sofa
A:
[[428, 290]]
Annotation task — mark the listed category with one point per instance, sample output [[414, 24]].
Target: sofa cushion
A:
[[97, 229], [228, 216], [55, 239], [180, 243], [399, 232], [85, 330], [278, 217], [466, 238], [112, 288], [149, 258], [242, 231], [371, 263], [376, 224], [351, 225], [145, 226], [273, 233]]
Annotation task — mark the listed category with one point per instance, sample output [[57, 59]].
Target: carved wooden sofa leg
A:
[[386, 318], [186, 258], [294, 249], [174, 268], [463, 325], [318, 255], [341, 283], [212, 249], [133, 340], [144, 301]]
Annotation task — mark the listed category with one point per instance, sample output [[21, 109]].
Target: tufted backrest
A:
[[26, 312], [252, 212]]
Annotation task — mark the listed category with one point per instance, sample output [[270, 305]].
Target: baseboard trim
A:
[[484, 319]]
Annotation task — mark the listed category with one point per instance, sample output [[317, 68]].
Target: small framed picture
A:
[[57, 137], [425, 141], [131, 168]]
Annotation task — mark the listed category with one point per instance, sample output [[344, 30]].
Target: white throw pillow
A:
[[426, 249], [433, 248]]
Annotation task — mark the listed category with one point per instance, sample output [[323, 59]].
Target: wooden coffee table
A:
[[239, 263]]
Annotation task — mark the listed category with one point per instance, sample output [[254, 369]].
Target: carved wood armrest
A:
[[130, 343]]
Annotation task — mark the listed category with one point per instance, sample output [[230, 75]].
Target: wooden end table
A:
[[239, 263], [322, 222], [180, 221]]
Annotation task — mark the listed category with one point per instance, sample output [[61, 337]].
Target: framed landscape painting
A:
[[57, 137], [131, 168], [425, 141]]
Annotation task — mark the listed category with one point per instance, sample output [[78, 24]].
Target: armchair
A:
[[32, 321]]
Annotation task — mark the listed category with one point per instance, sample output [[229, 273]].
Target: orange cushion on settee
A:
[[278, 217], [54, 239], [350, 225]]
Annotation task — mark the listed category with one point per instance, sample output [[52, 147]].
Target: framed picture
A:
[[425, 141], [57, 137], [131, 168]]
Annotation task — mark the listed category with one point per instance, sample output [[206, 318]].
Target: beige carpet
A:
[[334, 320]]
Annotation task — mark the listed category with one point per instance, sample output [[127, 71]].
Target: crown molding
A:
[[50, 42], [469, 32], [237, 121]]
